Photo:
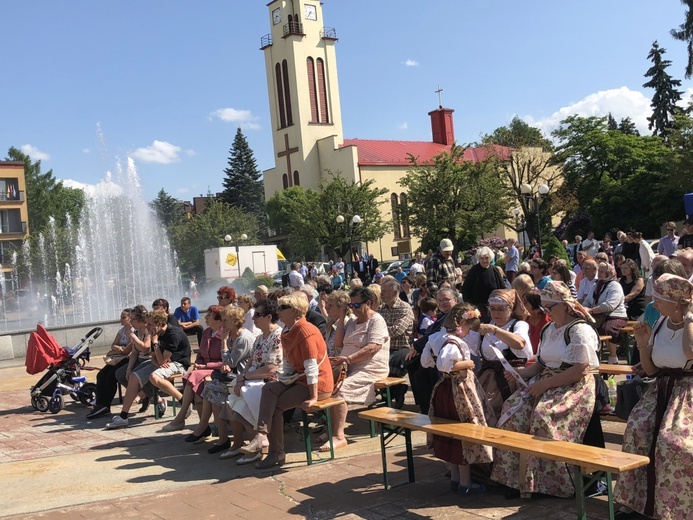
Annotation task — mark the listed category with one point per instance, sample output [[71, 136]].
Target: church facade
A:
[[306, 120]]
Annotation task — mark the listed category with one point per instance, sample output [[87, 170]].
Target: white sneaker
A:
[[117, 422]]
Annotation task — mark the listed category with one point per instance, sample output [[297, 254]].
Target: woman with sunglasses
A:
[[559, 401], [264, 361], [208, 359], [365, 348], [226, 296], [305, 378], [508, 332]]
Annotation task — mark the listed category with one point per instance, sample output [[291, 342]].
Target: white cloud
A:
[[403, 126], [244, 118], [158, 152], [620, 102], [86, 151], [183, 190], [410, 63], [105, 188], [35, 153]]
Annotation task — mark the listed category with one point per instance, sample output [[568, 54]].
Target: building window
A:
[[395, 216], [280, 96], [404, 214], [312, 92], [285, 180], [322, 90], [297, 181], [287, 94]]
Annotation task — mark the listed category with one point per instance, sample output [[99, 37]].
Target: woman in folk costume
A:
[[559, 399], [457, 395], [659, 426]]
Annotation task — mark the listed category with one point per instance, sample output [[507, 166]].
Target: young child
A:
[[427, 310], [457, 396]]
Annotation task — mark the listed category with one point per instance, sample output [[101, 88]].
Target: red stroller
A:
[[63, 375]]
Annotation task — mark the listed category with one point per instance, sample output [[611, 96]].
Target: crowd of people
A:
[[513, 348]]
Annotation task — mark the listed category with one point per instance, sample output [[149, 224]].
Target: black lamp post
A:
[[355, 220]]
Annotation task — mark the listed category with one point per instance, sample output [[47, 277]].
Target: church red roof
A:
[[395, 153]]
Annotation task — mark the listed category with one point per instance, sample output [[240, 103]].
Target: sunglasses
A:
[[222, 297], [546, 309], [283, 307], [499, 309], [356, 305], [260, 314]]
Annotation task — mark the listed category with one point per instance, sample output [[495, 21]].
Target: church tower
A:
[[302, 84]]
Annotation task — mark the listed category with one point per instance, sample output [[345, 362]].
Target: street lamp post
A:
[[519, 225], [533, 203], [229, 239], [355, 220]]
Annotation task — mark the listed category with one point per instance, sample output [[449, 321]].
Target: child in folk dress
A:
[[457, 396]]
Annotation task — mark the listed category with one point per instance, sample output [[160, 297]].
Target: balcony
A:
[[328, 33], [8, 231], [12, 199], [265, 41], [293, 28]]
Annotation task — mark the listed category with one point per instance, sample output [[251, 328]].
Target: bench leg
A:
[[120, 393], [306, 438], [155, 402], [387, 433], [610, 489], [579, 494]]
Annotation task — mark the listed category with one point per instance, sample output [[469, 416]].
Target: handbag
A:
[[628, 393], [289, 379], [339, 374], [113, 358]]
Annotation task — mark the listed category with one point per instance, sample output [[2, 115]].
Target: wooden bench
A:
[[317, 411], [616, 370], [585, 459], [383, 396]]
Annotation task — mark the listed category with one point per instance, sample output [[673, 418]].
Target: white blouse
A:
[[668, 351], [583, 346], [443, 350], [474, 340]]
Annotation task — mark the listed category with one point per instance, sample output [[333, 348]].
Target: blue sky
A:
[[85, 84]]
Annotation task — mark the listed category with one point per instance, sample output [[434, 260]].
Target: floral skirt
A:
[[673, 490], [217, 392], [460, 399], [562, 413]]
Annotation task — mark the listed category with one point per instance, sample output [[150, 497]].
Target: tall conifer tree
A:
[[665, 96], [243, 184]]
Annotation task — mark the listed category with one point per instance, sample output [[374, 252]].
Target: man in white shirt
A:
[[295, 278], [591, 245], [339, 266], [416, 268], [589, 278]]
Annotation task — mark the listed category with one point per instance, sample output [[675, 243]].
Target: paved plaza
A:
[[63, 466]]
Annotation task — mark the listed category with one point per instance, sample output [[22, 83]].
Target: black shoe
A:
[[217, 448], [398, 398], [98, 411], [622, 515], [144, 405], [197, 438]]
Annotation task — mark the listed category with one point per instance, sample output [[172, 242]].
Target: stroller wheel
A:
[[55, 404], [87, 394], [39, 403]]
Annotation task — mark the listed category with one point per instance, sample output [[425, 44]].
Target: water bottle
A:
[[612, 392]]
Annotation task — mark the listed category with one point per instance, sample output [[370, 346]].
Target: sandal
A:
[[336, 444]]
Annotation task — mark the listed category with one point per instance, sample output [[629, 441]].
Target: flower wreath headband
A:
[[470, 315]]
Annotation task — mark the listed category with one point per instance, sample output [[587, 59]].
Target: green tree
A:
[[626, 126], [611, 122], [454, 198], [46, 196], [169, 210], [684, 33], [243, 182], [554, 248], [206, 231], [616, 178], [518, 134], [666, 96], [309, 218]]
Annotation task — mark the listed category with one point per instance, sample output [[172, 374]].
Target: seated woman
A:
[[245, 302], [633, 289], [226, 295], [561, 273], [335, 304], [559, 401], [243, 405], [106, 382], [208, 359], [537, 318], [306, 377], [236, 344], [659, 424], [365, 347], [508, 332], [607, 306]]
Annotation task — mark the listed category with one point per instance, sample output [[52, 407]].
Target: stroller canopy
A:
[[43, 350]]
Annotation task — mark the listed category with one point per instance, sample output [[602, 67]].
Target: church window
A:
[[324, 116], [404, 214], [287, 94], [395, 216], [285, 180], [310, 65], [280, 96], [297, 181]]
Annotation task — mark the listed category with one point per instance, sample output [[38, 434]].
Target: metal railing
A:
[[293, 28], [328, 33], [265, 41], [13, 230], [4, 197]]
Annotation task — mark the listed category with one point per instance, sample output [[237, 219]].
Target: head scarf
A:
[[603, 283], [509, 297], [559, 292], [672, 288]]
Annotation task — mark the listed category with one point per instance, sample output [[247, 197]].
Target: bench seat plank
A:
[[619, 370]]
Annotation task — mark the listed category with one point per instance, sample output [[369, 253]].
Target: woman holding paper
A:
[[559, 399], [506, 336]]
